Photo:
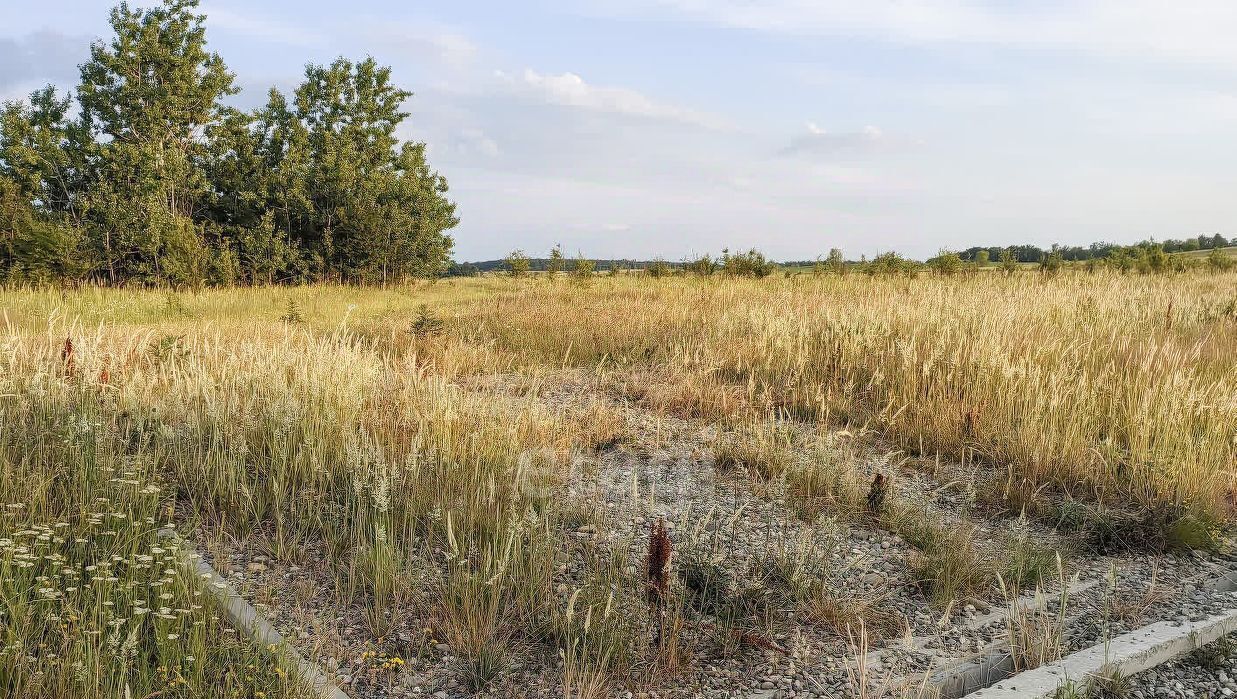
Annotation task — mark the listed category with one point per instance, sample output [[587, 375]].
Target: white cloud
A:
[[819, 142], [1190, 29], [471, 141], [426, 41], [259, 26], [28, 62], [569, 89]]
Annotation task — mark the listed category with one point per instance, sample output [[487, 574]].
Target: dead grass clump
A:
[[827, 481], [847, 613], [949, 564], [763, 451]]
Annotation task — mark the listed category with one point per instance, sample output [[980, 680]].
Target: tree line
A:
[[1144, 258], [1099, 250], [144, 175]]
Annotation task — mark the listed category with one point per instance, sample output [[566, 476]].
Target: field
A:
[[558, 487]]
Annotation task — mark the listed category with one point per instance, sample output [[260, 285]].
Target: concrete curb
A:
[[244, 617], [992, 662], [1127, 654]]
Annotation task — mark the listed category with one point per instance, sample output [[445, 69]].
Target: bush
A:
[[583, 269], [946, 263], [889, 263], [749, 264], [1219, 261], [658, 268], [517, 263], [703, 266]]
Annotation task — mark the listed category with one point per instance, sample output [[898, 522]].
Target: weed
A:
[[427, 324], [657, 569], [292, 313], [877, 494], [1214, 656]]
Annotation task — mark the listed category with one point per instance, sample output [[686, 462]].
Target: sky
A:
[[672, 128]]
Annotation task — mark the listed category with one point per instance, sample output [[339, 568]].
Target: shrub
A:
[[517, 263]]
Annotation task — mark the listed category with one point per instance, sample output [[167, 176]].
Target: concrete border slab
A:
[[244, 617], [1127, 654]]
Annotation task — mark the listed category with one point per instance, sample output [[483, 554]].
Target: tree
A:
[[466, 269], [361, 204], [1220, 261], [1152, 259], [658, 268], [888, 263], [1009, 264], [1121, 260], [555, 264], [145, 99], [703, 266], [582, 271], [981, 258], [835, 263], [946, 263], [153, 180], [41, 237], [1052, 262], [748, 264], [517, 263]]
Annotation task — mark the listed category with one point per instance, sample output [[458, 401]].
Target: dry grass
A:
[[343, 418]]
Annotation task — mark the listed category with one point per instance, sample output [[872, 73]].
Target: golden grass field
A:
[[327, 419]]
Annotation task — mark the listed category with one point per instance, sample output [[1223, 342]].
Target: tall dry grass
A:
[[336, 427], [1112, 388]]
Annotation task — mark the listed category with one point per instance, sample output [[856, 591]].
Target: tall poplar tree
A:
[[147, 97]]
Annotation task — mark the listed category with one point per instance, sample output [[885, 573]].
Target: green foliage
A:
[[658, 268], [1052, 262], [153, 180], [427, 324], [703, 266], [888, 263], [555, 265], [1219, 261], [748, 264], [517, 263], [835, 263], [1009, 264], [582, 271], [1152, 259], [464, 270], [946, 263], [1121, 260], [292, 312]]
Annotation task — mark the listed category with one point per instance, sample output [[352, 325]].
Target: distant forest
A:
[[1096, 251], [1076, 253], [1124, 255]]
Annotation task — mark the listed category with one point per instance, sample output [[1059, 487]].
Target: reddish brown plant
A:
[[877, 494], [658, 563], [970, 422], [66, 356]]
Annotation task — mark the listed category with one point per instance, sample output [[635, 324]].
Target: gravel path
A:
[[1208, 673], [666, 470]]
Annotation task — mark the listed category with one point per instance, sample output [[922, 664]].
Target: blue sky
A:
[[674, 127]]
